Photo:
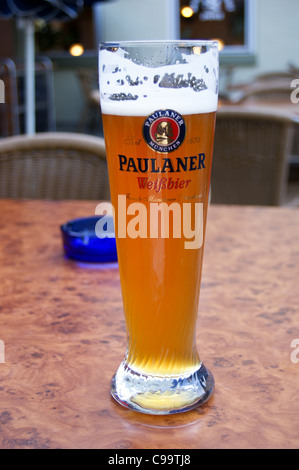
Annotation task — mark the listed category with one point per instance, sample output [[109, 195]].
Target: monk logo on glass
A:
[[2, 356], [164, 130], [153, 221]]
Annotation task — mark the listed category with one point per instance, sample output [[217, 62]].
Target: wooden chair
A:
[[53, 166], [250, 158], [265, 94], [275, 75]]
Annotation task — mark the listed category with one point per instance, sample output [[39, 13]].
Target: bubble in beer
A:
[[132, 82], [123, 97], [178, 81]]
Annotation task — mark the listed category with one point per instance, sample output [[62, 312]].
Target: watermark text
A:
[[2, 91], [2, 353], [153, 220], [295, 353], [295, 93]]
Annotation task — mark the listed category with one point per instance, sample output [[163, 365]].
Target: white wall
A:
[[120, 20], [279, 39], [276, 37]]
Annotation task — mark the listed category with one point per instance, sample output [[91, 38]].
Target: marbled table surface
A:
[[63, 333]]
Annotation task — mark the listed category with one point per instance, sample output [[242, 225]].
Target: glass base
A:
[[161, 395]]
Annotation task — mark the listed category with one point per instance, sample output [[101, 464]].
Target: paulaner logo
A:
[[164, 130]]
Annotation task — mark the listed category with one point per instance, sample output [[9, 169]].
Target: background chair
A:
[[250, 158], [274, 94], [12, 111], [279, 75], [53, 166]]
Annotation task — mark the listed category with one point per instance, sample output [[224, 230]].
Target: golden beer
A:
[[160, 278], [159, 165]]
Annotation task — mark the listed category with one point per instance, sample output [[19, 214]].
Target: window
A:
[[57, 36], [231, 22]]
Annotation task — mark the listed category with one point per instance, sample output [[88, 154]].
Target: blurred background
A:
[[257, 37], [258, 42]]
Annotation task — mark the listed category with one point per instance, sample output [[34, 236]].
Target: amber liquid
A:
[[160, 278]]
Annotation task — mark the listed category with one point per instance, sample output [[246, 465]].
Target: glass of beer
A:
[[158, 101]]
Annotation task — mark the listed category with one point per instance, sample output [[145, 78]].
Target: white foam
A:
[[147, 96]]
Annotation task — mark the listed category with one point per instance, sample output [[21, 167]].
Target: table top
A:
[[63, 332]]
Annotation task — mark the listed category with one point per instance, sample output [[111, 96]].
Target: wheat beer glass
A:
[[158, 102]]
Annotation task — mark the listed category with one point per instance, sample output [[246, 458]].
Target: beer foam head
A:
[[132, 86]]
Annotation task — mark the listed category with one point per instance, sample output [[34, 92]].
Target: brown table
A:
[[64, 334]]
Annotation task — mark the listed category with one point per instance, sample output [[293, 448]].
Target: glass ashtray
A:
[[90, 239]]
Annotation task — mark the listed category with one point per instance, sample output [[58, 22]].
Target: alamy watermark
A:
[[2, 353], [153, 220], [2, 91], [295, 93], [295, 353]]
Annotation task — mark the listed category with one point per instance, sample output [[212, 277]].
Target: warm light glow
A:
[[187, 12], [220, 44], [196, 50], [76, 50]]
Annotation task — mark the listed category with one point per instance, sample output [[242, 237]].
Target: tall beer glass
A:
[[158, 102]]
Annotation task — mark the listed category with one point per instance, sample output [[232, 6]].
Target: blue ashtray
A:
[[87, 240]]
